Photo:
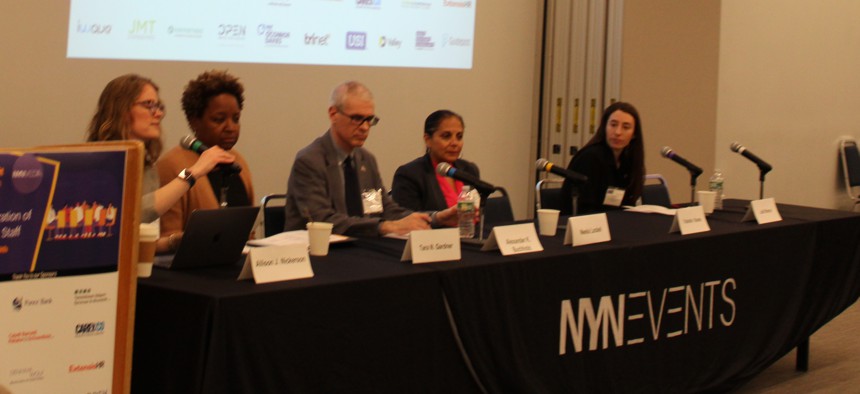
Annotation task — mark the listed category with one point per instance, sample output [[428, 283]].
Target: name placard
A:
[[514, 239], [277, 263], [690, 220], [587, 229], [430, 246], [764, 211]]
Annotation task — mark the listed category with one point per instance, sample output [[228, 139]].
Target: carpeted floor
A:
[[834, 362]]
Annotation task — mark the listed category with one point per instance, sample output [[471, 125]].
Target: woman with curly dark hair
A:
[[213, 104]]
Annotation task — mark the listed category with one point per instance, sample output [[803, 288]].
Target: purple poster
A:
[[59, 213]]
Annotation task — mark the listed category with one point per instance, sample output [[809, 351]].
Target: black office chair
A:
[[273, 215], [655, 191], [850, 159], [497, 210], [548, 193]]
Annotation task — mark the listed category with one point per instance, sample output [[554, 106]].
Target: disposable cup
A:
[[548, 221], [706, 200], [318, 236], [146, 251]]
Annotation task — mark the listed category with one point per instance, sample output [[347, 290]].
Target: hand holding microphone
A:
[[544, 165], [209, 157], [668, 153], [446, 169]]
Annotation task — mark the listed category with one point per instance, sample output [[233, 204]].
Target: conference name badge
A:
[[764, 211], [277, 263], [614, 197], [371, 200], [430, 246], [514, 239], [690, 220], [587, 229]]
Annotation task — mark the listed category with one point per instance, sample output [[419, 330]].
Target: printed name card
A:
[[587, 229], [514, 239], [277, 263], [429, 246], [764, 211], [690, 220]]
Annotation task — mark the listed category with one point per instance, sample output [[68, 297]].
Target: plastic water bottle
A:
[[715, 184], [466, 213]]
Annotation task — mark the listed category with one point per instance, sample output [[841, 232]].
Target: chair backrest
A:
[[273, 214], [850, 166], [497, 210], [655, 191], [548, 193]]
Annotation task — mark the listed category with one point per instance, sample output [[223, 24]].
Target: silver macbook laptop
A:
[[212, 237]]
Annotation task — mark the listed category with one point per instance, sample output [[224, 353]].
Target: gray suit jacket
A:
[[315, 188]]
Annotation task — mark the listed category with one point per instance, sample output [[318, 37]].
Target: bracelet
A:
[[433, 218]]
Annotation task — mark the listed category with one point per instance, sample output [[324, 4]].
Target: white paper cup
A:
[[706, 200], [149, 233], [318, 236], [548, 221]]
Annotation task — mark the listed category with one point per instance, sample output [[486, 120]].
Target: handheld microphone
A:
[[446, 169], [668, 153], [762, 165], [544, 165], [193, 144]]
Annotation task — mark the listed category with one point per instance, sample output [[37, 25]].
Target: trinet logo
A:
[[356, 40], [93, 28], [86, 367], [313, 39], [423, 40]]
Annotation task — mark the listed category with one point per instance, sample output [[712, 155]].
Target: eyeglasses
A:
[[358, 120], [152, 106]]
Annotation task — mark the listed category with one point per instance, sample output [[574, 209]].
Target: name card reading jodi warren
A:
[[514, 239], [763, 210], [428, 246], [277, 263]]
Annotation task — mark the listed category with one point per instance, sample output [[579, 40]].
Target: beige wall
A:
[[669, 72]]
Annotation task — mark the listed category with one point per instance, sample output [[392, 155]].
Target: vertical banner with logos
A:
[[68, 220]]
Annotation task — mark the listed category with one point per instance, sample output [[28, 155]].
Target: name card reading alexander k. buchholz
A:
[[587, 229], [277, 263], [690, 220], [764, 211], [430, 246], [514, 239]]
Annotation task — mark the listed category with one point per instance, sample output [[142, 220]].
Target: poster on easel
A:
[[68, 228]]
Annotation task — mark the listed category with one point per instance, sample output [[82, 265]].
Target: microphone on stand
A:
[[668, 153], [762, 165], [446, 169], [191, 143], [544, 165]]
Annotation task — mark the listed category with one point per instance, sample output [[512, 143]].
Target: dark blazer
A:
[[597, 163], [316, 188], [415, 186]]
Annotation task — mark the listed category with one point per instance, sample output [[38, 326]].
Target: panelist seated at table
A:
[[417, 185], [213, 104], [129, 108], [614, 162], [336, 180]]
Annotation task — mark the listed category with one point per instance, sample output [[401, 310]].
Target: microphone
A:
[[191, 143], [544, 165], [668, 153], [762, 165], [446, 169]]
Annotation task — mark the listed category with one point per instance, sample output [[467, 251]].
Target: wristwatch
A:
[[186, 176]]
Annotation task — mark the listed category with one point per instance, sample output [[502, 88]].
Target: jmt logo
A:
[[143, 27], [356, 40]]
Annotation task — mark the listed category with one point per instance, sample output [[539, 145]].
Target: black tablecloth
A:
[[647, 312]]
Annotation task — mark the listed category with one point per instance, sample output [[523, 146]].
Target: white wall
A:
[[789, 86], [48, 99]]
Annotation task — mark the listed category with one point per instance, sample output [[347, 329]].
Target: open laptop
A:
[[212, 237]]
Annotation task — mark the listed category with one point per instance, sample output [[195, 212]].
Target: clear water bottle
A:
[[715, 184], [466, 213]]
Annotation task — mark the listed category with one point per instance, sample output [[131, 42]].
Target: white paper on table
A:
[[652, 209], [294, 237]]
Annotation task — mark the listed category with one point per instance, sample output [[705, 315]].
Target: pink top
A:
[[449, 193]]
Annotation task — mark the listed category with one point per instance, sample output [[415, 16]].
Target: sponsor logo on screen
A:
[[25, 374], [90, 329], [424, 5], [28, 336], [19, 303], [368, 3], [232, 31], [457, 4], [455, 41], [356, 40], [184, 32], [86, 296], [142, 28], [313, 39], [280, 3], [93, 28], [272, 37], [389, 42], [86, 367], [423, 40]]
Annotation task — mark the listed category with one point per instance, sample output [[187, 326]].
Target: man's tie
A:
[[353, 194]]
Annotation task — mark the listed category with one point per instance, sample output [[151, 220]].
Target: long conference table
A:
[[648, 311]]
